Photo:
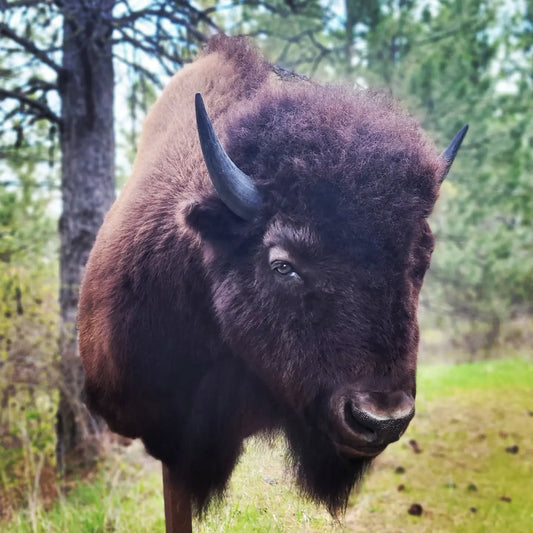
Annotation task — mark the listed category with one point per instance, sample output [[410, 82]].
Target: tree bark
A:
[[86, 87]]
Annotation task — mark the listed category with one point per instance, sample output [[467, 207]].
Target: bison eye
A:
[[284, 268]]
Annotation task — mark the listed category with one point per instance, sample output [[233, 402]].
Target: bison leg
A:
[[177, 503]]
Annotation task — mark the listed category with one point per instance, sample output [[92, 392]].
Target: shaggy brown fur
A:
[[191, 341]]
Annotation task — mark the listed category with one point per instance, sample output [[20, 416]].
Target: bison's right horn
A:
[[235, 188]]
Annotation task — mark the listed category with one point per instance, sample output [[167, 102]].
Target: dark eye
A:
[[284, 268]]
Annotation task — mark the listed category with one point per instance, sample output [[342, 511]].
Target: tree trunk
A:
[[348, 27], [87, 186]]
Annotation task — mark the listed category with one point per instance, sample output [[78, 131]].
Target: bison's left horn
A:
[[449, 154], [235, 188]]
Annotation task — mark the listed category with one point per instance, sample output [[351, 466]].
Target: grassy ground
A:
[[455, 462]]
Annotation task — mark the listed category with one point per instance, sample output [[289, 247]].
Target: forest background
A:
[[77, 78]]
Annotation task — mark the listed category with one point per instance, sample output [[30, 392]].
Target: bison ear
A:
[[212, 219]]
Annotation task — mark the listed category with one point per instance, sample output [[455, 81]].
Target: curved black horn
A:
[[449, 154], [234, 187]]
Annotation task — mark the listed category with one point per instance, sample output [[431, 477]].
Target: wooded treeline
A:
[[77, 77]]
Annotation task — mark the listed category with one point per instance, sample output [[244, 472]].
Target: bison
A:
[[268, 286]]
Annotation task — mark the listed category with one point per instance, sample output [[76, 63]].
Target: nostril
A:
[[375, 428], [359, 423], [392, 430]]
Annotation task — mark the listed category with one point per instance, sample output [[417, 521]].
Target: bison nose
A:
[[379, 417], [366, 422]]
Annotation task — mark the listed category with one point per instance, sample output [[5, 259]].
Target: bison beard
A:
[[320, 473], [208, 315]]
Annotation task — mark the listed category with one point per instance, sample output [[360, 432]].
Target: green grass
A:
[[442, 380], [467, 415]]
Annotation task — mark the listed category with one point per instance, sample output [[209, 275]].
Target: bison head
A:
[[316, 244]]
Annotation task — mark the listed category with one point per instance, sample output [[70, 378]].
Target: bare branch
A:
[[36, 84], [13, 183], [39, 109], [313, 54], [289, 8], [20, 3], [152, 47], [472, 25], [6, 31], [137, 67], [159, 14]]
